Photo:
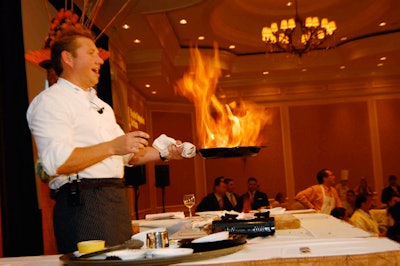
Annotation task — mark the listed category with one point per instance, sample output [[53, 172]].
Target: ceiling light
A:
[[147, 85], [183, 21], [125, 26], [201, 38], [382, 24], [379, 65], [342, 67], [383, 58], [232, 46], [153, 92], [137, 41], [265, 73], [297, 36]]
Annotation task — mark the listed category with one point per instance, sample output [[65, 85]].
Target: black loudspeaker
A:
[[135, 176], [162, 175]]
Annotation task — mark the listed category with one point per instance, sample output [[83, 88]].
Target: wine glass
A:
[[189, 200]]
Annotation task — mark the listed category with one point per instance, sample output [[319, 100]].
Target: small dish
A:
[[223, 235], [171, 252], [128, 254], [142, 235]]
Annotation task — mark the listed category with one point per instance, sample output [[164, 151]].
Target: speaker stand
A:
[[137, 201], [163, 198]]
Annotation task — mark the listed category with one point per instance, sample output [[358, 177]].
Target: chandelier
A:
[[297, 36]]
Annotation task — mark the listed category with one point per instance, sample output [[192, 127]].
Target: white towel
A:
[[163, 141], [165, 215]]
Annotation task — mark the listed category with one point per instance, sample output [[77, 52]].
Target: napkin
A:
[[163, 141], [165, 215]]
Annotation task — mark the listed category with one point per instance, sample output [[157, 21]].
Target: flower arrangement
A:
[[64, 19]]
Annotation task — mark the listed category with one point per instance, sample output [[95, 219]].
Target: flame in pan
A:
[[238, 123]]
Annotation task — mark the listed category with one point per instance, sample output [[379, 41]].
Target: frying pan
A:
[[230, 152]]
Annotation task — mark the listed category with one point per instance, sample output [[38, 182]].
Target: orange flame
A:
[[218, 124]]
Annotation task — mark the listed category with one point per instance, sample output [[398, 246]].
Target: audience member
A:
[[361, 217], [340, 213], [216, 200], [322, 197], [279, 200], [230, 193], [363, 187], [393, 231], [342, 187], [350, 203], [393, 200], [253, 199], [393, 189]]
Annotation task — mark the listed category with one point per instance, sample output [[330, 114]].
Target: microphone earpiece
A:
[[100, 110]]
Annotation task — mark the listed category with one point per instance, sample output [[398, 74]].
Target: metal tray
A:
[[230, 152], [71, 260]]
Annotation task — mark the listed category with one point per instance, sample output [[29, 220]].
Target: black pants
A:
[[103, 214]]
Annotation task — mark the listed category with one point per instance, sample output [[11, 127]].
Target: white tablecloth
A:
[[322, 235]]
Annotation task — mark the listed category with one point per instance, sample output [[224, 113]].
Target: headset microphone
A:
[[100, 110]]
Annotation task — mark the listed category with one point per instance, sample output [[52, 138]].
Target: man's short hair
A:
[[218, 180], [251, 179], [321, 175], [227, 180]]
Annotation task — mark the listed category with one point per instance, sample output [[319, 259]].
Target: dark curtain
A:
[[21, 217]]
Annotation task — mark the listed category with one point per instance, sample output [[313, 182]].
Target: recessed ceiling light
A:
[[343, 38], [265, 72], [227, 75], [183, 21], [200, 38], [379, 65], [383, 58], [153, 92], [232, 46], [137, 41], [289, 3], [304, 70], [147, 85], [382, 24], [342, 67], [125, 26]]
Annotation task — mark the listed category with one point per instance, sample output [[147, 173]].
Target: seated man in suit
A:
[[253, 199], [230, 193], [393, 189], [216, 200]]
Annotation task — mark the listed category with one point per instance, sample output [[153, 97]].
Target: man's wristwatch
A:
[[164, 159]]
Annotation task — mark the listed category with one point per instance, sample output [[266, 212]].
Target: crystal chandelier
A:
[[297, 36]]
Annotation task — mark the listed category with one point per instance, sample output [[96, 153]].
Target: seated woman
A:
[[361, 218]]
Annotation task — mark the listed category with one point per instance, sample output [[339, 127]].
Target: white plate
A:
[[171, 252], [98, 257], [224, 235], [142, 235], [128, 254]]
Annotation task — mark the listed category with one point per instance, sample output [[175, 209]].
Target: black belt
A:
[[74, 187]]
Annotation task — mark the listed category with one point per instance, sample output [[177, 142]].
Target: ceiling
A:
[[162, 56]]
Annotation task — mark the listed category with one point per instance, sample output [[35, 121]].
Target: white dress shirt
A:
[[64, 117]]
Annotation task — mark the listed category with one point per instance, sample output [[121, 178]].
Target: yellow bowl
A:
[[90, 246]]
